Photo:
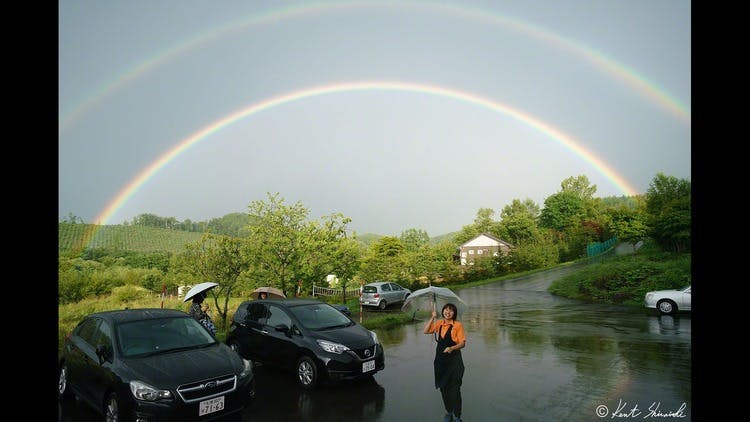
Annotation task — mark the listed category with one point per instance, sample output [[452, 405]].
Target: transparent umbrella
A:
[[433, 298]]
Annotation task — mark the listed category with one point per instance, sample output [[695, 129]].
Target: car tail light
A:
[[376, 295]]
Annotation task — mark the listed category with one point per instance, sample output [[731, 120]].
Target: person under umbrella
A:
[[448, 363], [200, 313]]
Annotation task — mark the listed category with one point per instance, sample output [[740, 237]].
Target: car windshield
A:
[[320, 316], [370, 289], [162, 335]]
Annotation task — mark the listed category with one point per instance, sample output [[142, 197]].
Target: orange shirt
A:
[[457, 333]]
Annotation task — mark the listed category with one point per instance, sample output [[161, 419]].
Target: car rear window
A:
[[241, 313], [370, 289]]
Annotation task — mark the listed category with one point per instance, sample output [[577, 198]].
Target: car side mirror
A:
[[284, 329]]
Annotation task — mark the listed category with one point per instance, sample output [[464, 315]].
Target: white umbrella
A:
[[198, 288], [431, 298]]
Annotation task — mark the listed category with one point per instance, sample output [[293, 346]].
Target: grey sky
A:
[[138, 77]]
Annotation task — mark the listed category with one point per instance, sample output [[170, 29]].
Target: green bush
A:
[[130, 293], [625, 280]]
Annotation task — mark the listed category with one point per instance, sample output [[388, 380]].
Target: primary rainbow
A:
[[566, 140], [611, 67]]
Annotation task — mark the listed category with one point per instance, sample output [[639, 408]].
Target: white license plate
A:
[[368, 366], [210, 406]]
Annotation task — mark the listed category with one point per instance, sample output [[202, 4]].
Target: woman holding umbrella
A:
[[199, 293], [449, 366]]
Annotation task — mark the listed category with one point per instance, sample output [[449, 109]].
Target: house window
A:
[[479, 252], [463, 254], [471, 252]]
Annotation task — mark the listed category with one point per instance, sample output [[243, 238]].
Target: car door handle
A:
[[264, 332]]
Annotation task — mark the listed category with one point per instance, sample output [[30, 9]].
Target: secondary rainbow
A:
[[553, 133], [609, 66]]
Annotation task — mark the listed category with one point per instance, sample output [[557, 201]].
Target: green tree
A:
[[579, 185], [562, 211], [72, 219], [219, 259], [383, 260], [518, 221], [326, 249], [628, 224], [668, 203], [276, 236], [483, 223], [233, 224], [540, 253], [414, 239]]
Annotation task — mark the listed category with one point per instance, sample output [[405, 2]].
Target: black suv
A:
[[309, 337], [153, 364]]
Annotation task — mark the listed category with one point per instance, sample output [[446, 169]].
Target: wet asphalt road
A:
[[530, 356]]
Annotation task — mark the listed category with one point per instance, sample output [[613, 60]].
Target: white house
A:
[[482, 246]]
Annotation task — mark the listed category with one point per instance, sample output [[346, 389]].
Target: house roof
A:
[[488, 235]]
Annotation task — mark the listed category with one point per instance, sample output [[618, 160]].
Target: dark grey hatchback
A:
[[309, 337], [153, 365]]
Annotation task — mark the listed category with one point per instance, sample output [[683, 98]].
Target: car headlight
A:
[[143, 391], [332, 347], [649, 296], [247, 369], [374, 337]]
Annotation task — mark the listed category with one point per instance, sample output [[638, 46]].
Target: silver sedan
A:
[[669, 301]]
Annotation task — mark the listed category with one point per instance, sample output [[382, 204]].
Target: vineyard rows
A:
[[127, 238]]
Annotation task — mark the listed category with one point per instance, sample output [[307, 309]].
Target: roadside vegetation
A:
[[624, 280]]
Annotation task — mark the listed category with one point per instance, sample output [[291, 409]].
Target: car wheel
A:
[[666, 306], [382, 305], [112, 408], [307, 372], [62, 383]]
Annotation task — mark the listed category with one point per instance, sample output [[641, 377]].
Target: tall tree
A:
[[668, 203], [275, 240], [628, 224], [518, 222], [562, 211], [383, 260], [326, 249], [219, 259], [579, 185]]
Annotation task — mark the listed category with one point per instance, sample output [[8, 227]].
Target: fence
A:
[[593, 249], [328, 291]]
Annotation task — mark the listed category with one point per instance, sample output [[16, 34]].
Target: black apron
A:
[[449, 367]]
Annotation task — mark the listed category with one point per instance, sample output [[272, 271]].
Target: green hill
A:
[[125, 238], [148, 239]]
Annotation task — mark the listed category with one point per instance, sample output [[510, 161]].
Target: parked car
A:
[[311, 338], [669, 301], [152, 364], [383, 293], [344, 309]]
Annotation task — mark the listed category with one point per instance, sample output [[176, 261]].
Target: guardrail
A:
[[329, 291], [593, 249]]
